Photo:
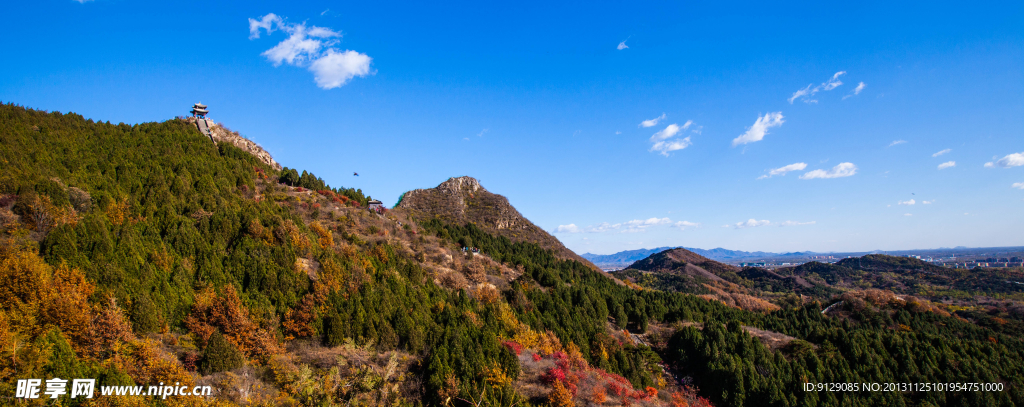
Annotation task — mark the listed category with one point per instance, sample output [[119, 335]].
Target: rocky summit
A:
[[462, 200]]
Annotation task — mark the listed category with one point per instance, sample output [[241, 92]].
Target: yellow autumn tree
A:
[[560, 396]]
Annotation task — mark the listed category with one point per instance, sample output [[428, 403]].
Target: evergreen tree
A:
[[220, 355]]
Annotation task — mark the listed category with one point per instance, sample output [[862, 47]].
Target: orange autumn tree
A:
[[226, 313], [36, 296]]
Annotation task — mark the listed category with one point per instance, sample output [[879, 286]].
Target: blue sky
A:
[[546, 103]]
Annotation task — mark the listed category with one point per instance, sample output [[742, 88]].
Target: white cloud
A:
[[947, 164], [653, 122], [664, 147], [633, 226], [603, 227], [1011, 160], [482, 132], [661, 143], [839, 171], [683, 225], [570, 228], [312, 48], [335, 68], [669, 131], [751, 223], [784, 170], [806, 93], [897, 142], [1018, 185], [928, 202], [834, 82], [910, 202], [622, 45], [856, 91], [942, 152], [795, 223], [648, 222], [759, 129], [908, 214], [803, 92], [266, 22]]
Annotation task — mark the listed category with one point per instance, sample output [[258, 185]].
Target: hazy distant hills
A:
[[720, 254]]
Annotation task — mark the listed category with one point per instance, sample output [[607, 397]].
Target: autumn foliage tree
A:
[[225, 313]]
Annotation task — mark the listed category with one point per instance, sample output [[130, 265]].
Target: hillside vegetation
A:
[[140, 254]]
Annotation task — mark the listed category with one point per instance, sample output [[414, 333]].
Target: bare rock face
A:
[[220, 134], [461, 200]]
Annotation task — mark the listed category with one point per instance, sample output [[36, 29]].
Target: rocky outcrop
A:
[[462, 200], [220, 134]]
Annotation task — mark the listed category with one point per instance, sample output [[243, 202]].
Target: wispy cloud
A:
[[910, 202], [947, 164], [794, 223], [759, 129], [753, 223], [784, 170], [664, 147], [928, 202], [622, 45], [856, 91], [312, 48], [1011, 160], [806, 93], [908, 214], [1018, 185], [662, 143], [633, 226], [942, 152], [839, 171], [683, 225], [482, 132], [833, 82], [653, 122], [897, 142]]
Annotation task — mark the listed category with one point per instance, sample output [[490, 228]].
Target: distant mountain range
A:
[[720, 254]]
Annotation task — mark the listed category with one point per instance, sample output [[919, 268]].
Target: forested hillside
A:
[[141, 254]]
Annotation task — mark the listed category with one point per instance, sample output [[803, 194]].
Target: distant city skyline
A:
[[795, 127]]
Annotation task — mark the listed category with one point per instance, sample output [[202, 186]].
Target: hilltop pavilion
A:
[[199, 110]]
